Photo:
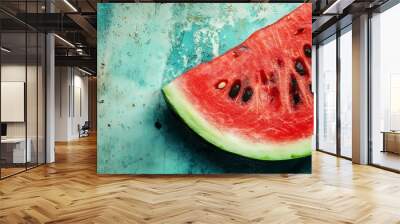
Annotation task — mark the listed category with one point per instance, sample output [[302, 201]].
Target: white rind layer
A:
[[229, 141]]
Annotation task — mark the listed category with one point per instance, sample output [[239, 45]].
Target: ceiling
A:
[[332, 15], [73, 21]]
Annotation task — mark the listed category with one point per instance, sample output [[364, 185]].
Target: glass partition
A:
[[31, 100], [22, 77], [327, 95], [13, 109]]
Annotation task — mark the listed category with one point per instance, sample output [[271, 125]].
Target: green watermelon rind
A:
[[230, 141]]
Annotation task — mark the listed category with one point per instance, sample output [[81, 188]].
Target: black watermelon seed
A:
[[158, 125], [310, 86], [294, 91], [293, 84], [307, 50], [235, 89], [300, 67], [296, 99], [248, 93], [299, 31]]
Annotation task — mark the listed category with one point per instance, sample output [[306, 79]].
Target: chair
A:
[[84, 130]]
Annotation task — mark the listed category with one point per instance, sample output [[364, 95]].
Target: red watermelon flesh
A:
[[255, 100]]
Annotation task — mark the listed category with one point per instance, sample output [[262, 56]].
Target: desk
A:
[[391, 141], [18, 150]]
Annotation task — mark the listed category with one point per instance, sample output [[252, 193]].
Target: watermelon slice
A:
[[255, 100]]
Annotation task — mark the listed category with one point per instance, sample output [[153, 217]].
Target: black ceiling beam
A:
[[49, 22], [82, 61], [86, 26], [91, 5], [331, 30], [64, 51], [11, 25], [8, 15], [323, 23]]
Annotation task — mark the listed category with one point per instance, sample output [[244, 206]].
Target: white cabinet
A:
[[18, 149]]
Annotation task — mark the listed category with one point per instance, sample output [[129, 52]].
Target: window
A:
[[385, 89], [346, 92], [327, 95]]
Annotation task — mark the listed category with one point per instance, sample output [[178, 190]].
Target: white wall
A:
[[62, 82], [80, 109], [13, 101], [13, 72], [70, 109]]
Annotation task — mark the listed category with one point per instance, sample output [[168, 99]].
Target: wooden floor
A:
[[70, 191], [5, 172], [387, 159]]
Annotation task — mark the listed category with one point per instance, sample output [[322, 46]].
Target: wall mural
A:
[[204, 88]]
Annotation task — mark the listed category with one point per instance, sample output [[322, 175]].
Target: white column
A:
[[50, 100], [360, 90], [50, 92]]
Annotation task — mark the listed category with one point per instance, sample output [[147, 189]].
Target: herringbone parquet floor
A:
[[70, 191]]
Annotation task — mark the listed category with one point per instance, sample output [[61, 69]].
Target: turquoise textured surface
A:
[[141, 47]]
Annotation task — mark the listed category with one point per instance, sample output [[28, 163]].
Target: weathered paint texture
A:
[[141, 47]]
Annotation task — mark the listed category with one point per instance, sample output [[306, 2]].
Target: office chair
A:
[[84, 130]]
